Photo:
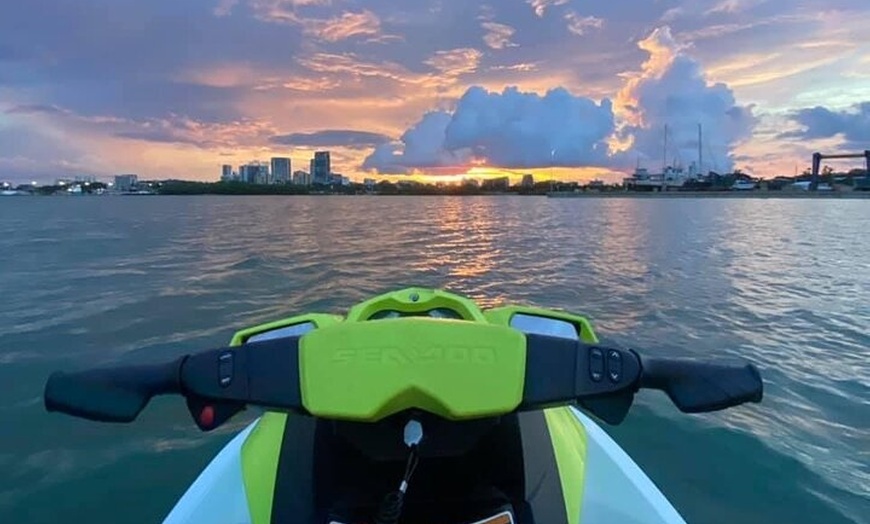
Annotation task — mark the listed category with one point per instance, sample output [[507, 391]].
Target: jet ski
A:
[[417, 406]]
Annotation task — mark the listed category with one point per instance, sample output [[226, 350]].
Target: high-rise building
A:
[[280, 170], [528, 181], [126, 182], [247, 173], [301, 178], [254, 173], [321, 169], [496, 184], [226, 173], [262, 174]]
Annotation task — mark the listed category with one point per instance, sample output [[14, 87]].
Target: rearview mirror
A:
[[296, 330], [539, 325]]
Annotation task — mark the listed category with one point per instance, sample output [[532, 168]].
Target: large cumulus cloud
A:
[[420, 147], [508, 128], [671, 89], [517, 129]]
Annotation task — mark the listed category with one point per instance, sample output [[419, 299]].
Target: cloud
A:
[[130, 81], [522, 67], [510, 129], [347, 25], [733, 6], [332, 138], [714, 9], [36, 109], [332, 64], [171, 129], [671, 89], [579, 25], [519, 129], [852, 124], [419, 148], [498, 36], [225, 7], [455, 62], [516, 129], [541, 6]]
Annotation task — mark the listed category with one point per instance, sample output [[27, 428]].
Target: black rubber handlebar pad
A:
[[111, 394], [699, 387]]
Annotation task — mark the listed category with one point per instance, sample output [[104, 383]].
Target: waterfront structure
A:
[[496, 184], [226, 173], [280, 170], [321, 168], [528, 181], [262, 174], [126, 182], [671, 176], [254, 173], [247, 173], [301, 178]]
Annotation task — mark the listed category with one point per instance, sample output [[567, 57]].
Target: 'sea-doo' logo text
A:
[[416, 355]]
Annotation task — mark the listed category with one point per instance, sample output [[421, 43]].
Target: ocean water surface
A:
[[784, 283]]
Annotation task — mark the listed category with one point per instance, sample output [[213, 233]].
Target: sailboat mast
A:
[[665, 151], [700, 151]]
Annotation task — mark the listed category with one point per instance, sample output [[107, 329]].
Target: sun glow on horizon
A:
[[540, 174]]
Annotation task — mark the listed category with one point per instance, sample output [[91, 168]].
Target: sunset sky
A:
[[569, 88]]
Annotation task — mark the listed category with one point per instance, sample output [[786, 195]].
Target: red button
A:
[[206, 416]]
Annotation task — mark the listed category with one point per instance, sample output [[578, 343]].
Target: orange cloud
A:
[[498, 36], [455, 62], [347, 25], [662, 49]]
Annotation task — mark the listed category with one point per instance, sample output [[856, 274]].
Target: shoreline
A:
[[800, 195], [750, 195]]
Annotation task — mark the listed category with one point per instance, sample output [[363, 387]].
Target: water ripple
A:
[[783, 283]]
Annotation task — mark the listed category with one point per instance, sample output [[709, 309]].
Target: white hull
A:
[[615, 488]]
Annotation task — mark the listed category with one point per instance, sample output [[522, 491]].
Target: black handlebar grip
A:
[[111, 394], [699, 387]]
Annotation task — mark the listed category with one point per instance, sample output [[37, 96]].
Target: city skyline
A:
[[444, 88]]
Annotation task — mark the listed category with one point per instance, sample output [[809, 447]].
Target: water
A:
[[88, 281]]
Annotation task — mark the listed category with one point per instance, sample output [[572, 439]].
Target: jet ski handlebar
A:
[[218, 383]]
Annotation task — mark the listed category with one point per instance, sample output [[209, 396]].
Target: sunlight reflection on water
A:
[[783, 283]]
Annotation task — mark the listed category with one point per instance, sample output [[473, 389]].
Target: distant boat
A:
[[10, 192], [670, 177], [805, 185], [743, 185]]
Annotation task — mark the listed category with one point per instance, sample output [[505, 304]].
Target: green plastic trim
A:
[[569, 445], [366, 371], [502, 317], [318, 319], [260, 453], [262, 447], [415, 299]]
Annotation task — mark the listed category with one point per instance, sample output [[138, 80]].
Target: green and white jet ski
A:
[[416, 407]]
